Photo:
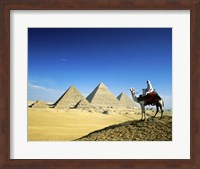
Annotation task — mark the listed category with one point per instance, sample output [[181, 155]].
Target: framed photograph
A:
[[100, 84]]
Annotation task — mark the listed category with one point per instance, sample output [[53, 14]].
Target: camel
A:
[[150, 99]]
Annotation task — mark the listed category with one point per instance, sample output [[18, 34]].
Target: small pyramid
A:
[[82, 104], [69, 99], [39, 105], [102, 97], [126, 101]]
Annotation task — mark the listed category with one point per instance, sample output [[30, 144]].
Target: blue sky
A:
[[121, 58]]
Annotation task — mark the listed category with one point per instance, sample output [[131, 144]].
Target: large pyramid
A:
[[69, 99], [102, 97], [126, 101]]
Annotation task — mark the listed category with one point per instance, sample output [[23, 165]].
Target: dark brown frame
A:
[[7, 5]]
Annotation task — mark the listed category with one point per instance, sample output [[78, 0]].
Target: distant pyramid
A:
[[126, 101], [82, 104], [39, 104], [102, 97], [69, 99]]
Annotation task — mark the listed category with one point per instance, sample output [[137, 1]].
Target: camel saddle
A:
[[150, 99]]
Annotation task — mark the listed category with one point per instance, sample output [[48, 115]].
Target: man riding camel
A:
[[149, 89]]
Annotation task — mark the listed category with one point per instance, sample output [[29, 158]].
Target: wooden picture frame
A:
[[7, 5]]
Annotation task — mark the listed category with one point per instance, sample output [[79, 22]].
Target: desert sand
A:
[[64, 125]]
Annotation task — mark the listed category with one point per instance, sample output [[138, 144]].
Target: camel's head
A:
[[132, 90]]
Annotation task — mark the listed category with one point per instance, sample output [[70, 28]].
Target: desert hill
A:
[[152, 129]]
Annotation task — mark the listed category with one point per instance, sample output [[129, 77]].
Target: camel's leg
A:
[[143, 113], [157, 110], [142, 108], [142, 116], [161, 112]]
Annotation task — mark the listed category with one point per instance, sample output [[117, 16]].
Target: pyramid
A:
[[102, 97], [126, 101], [39, 105], [82, 104], [69, 99]]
